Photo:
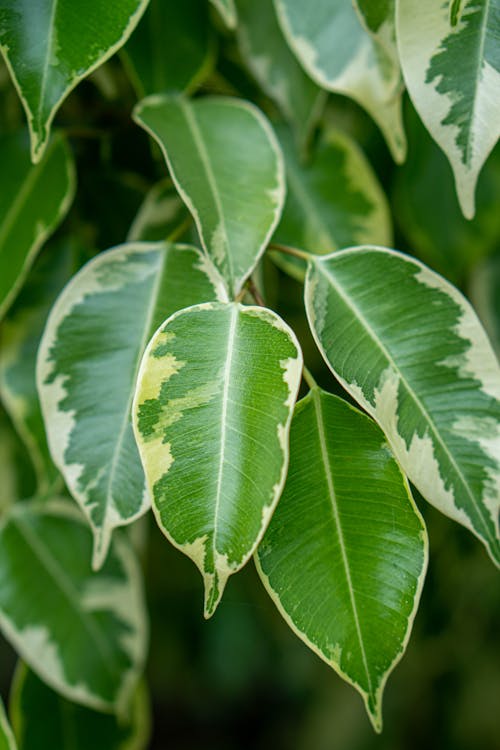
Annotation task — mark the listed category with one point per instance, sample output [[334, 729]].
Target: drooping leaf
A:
[[212, 409], [87, 366], [451, 63], [227, 10], [171, 49], [43, 719], [409, 348], [19, 340], [275, 68], [485, 295], [33, 201], [159, 215], [341, 56], [345, 554], [228, 169], [49, 47], [7, 741], [83, 633], [333, 201]]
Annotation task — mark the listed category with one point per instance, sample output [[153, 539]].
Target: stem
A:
[[255, 293], [309, 378], [295, 252]]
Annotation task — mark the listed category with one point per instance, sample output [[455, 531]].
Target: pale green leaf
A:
[[86, 635], [379, 18], [160, 214], [44, 720], [212, 410], [171, 49], [227, 166], [345, 554], [450, 57], [7, 741], [485, 295], [227, 10], [409, 348], [341, 56], [275, 68], [333, 201], [50, 46], [87, 367], [33, 201]]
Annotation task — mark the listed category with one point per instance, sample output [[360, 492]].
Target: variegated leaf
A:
[[43, 719], [227, 10], [227, 166], [7, 741], [212, 410], [160, 214], [171, 50], [88, 363], [341, 56], [50, 46], [83, 633], [33, 201], [450, 57], [485, 295], [409, 348], [276, 69], [333, 201], [379, 18], [345, 554]]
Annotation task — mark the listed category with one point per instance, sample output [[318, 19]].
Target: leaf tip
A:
[[102, 539]]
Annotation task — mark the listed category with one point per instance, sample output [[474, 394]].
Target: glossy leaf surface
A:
[[409, 348], [33, 201], [451, 63], [86, 635], [227, 166], [50, 46], [87, 366], [212, 410], [345, 553]]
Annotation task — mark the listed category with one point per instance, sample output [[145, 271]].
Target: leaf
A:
[[227, 10], [276, 69], [33, 201], [409, 348], [7, 741], [451, 64], [227, 166], [16, 470], [50, 47], [159, 215], [485, 295], [379, 20], [345, 554], [214, 399], [19, 341], [332, 202], [171, 49], [43, 719], [87, 366], [86, 636], [341, 56]]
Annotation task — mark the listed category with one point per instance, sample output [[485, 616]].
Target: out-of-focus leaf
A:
[[7, 741], [160, 214], [485, 296], [227, 10]]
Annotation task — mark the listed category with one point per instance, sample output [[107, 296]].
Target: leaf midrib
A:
[[47, 62]]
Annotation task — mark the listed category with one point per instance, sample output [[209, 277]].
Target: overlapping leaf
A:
[[379, 18], [87, 367], [160, 214], [33, 201], [333, 201], [49, 47], [410, 349], [342, 56], [227, 166], [451, 63], [42, 719], [212, 410], [227, 10], [7, 741], [345, 553], [82, 633]]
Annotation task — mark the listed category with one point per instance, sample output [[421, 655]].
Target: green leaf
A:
[[33, 201], [49, 47], [379, 19], [276, 69], [86, 636], [345, 554], [333, 201], [409, 348], [87, 366], [7, 741], [485, 295], [160, 214], [19, 341], [212, 410], [451, 63], [171, 49], [227, 10], [341, 56], [227, 166], [42, 719]]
